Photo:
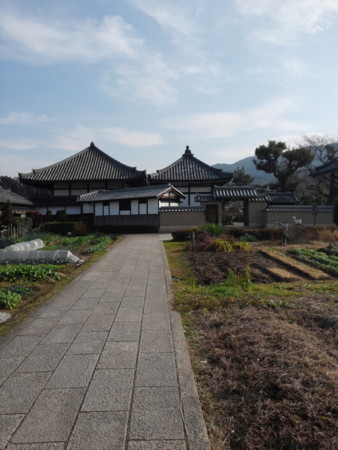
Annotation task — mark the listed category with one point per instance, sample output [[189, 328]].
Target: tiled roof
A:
[[297, 208], [190, 169], [7, 195], [233, 192], [130, 193], [204, 198], [88, 164], [277, 198], [176, 209], [328, 167]]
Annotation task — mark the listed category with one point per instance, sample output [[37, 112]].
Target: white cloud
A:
[[23, 118], [19, 144], [81, 137], [290, 18], [132, 138], [151, 81], [172, 16], [225, 124], [42, 41]]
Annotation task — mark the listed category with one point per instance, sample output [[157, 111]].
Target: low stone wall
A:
[[180, 218], [324, 216]]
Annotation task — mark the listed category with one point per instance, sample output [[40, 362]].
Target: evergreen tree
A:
[[7, 214], [240, 178], [283, 163]]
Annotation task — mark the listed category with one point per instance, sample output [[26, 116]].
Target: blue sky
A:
[[145, 78]]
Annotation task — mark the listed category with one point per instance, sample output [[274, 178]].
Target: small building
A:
[[132, 207], [191, 176], [88, 170], [20, 205]]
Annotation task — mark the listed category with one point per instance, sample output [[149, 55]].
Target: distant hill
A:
[[249, 167], [262, 177]]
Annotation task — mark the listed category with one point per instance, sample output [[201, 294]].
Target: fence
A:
[[13, 231]]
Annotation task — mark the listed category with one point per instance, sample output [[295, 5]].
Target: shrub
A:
[[183, 235], [248, 238], [63, 228], [204, 241], [80, 229], [239, 245], [8, 299], [221, 245], [212, 228]]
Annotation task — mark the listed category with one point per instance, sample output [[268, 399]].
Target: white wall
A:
[[114, 208], [99, 209], [73, 210], [134, 207], [143, 208], [153, 206], [88, 208]]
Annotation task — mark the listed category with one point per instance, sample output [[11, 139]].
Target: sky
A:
[[144, 78]]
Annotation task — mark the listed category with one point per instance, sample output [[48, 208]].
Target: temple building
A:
[[88, 170], [191, 176]]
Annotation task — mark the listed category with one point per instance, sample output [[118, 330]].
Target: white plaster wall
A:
[[73, 210], [106, 210], [99, 209], [134, 207], [153, 206], [114, 208], [143, 208], [88, 208]]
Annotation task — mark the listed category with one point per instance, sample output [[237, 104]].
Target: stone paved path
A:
[[103, 364]]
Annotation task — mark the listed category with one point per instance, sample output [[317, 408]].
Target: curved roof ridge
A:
[[189, 163], [89, 163]]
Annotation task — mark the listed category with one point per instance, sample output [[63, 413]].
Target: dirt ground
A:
[[268, 377], [213, 267], [266, 370]]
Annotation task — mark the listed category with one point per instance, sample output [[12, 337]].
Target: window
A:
[[125, 205]]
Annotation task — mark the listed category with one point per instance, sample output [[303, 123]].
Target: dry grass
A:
[[267, 373], [269, 377]]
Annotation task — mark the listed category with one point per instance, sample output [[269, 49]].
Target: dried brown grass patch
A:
[[268, 377]]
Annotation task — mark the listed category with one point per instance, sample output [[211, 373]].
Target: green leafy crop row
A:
[[12, 273], [318, 259]]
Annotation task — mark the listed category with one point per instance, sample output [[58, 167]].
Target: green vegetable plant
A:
[[9, 299], [13, 273]]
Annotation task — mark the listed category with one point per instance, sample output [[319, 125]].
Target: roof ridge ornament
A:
[[187, 151]]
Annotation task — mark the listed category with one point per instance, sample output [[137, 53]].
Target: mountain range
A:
[[250, 168]]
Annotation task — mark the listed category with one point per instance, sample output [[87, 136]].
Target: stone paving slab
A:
[[103, 364], [99, 431], [19, 392], [51, 418], [110, 390], [156, 445]]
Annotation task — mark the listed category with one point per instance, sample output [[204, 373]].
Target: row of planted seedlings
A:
[[325, 259], [19, 281]]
